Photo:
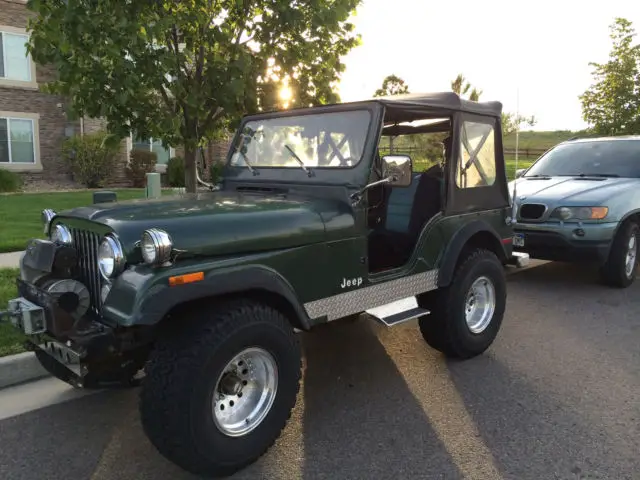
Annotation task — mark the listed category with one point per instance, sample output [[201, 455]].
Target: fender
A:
[[457, 243], [159, 300]]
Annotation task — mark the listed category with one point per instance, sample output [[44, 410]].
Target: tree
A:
[[461, 87], [510, 121], [182, 70], [611, 105], [392, 85]]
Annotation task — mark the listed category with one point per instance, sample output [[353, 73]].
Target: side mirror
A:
[[519, 172], [398, 169]]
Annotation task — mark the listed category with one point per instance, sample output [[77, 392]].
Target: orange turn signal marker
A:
[[598, 213], [187, 278]]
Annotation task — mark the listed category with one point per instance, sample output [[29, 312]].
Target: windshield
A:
[[334, 140], [616, 158]]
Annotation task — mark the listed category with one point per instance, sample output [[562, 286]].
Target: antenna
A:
[[514, 208]]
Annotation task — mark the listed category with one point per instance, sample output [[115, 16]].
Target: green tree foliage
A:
[[510, 121], [461, 86], [392, 85], [181, 70], [611, 105]]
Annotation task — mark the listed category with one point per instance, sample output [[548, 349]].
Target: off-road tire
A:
[[613, 271], [445, 329], [120, 378], [176, 396]]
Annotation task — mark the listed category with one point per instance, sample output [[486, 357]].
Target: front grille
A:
[[86, 244], [532, 211]]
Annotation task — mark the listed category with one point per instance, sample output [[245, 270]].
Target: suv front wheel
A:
[[466, 315], [221, 386]]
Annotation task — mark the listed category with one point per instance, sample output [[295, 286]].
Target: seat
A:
[[407, 210]]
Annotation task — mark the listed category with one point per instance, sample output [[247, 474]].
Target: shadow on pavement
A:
[[535, 433]]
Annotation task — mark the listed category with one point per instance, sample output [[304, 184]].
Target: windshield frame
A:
[[371, 130], [611, 174]]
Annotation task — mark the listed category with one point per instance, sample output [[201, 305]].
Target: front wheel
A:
[[466, 315], [621, 266], [220, 388]]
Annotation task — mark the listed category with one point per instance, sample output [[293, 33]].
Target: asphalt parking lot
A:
[[556, 397]]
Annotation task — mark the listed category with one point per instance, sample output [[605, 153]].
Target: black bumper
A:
[[555, 247]]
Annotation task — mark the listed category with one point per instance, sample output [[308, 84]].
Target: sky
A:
[[537, 52]]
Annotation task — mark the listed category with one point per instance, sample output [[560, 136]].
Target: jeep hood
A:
[[572, 190], [216, 223]]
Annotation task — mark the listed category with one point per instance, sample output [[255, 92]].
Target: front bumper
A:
[[571, 242], [74, 344]]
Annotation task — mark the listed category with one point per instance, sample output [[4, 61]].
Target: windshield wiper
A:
[[606, 175], [538, 176], [246, 160], [298, 160]]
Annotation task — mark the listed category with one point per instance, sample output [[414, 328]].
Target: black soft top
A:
[[440, 101]]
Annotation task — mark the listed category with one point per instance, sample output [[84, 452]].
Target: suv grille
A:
[[532, 211], [86, 244]]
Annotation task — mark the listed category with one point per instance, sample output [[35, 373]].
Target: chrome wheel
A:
[[245, 392], [632, 253], [480, 305]]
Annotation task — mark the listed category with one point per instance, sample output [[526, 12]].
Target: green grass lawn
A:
[[10, 341], [20, 212]]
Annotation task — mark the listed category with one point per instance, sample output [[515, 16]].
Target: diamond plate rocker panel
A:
[[356, 301]]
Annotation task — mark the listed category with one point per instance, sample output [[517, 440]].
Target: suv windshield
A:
[[331, 140], [615, 158]]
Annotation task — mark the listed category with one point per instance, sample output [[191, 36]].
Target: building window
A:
[[153, 145], [16, 62], [17, 141], [477, 162]]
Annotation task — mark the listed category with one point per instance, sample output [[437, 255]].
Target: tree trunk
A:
[[190, 181]]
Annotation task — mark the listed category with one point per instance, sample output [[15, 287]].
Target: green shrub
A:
[[91, 157], [9, 181], [175, 172], [215, 172], [141, 162]]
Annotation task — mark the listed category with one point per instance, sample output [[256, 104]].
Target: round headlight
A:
[[565, 213], [156, 246], [110, 257], [47, 216], [61, 234]]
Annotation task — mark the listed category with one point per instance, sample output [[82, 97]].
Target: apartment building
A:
[[34, 124]]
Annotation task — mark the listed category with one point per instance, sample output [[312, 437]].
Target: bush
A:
[[215, 172], [141, 162], [175, 172], [91, 157], [9, 181]]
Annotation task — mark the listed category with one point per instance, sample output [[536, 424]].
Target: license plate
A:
[[518, 240]]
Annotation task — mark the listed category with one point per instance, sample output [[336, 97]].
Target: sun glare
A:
[[285, 95]]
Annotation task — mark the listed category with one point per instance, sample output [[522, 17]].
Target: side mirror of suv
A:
[[397, 169], [519, 172]]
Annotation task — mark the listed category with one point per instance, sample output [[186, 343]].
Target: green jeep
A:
[[204, 294]]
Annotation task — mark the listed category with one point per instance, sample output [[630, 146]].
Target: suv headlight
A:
[[580, 213], [156, 246], [61, 234], [110, 257]]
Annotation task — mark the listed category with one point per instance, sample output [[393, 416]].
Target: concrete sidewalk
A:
[[10, 260]]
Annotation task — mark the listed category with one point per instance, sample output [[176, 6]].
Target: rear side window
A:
[[476, 166]]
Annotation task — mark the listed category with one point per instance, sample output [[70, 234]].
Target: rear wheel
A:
[[221, 386], [466, 316], [622, 265]]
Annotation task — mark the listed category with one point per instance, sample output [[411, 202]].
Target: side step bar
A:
[[398, 312]]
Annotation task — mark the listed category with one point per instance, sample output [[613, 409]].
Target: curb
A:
[[20, 368]]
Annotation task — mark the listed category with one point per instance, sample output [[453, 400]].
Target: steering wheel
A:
[[347, 162]]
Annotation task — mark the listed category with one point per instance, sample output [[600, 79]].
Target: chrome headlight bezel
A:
[[117, 257], [156, 246], [61, 234], [46, 216]]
